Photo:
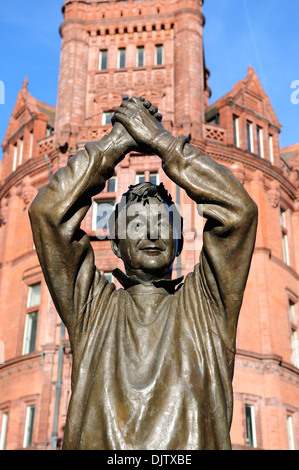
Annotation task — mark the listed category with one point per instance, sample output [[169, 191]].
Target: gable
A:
[[252, 95], [249, 93]]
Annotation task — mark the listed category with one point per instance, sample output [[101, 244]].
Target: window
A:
[[159, 58], [108, 276], [102, 210], [294, 339], [140, 57], [21, 151], [106, 117], [15, 157], [285, 248], [121, 58], [49, 130], [154, 177], [103, 60], [34, 295], [31, 145], [31, 319], [236, 131], [260, 141], [284, 230], [250, 426], [140, 178], [271, 149], [249, 136], [3, 430], [294, 346], [29, 423], [291, 311], [290, 432], [112, 184], [151, 177]]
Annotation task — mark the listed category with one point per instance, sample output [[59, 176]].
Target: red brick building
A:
[[111, 49]]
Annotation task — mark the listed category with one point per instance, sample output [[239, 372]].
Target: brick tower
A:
[[154, 48], [111, 49]]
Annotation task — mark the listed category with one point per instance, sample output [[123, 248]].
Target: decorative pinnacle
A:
[[25, 84]]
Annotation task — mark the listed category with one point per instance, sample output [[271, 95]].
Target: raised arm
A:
[[229, 233], [64, 250], [230, 230]]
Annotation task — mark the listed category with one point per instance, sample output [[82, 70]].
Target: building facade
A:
[[111, 50]]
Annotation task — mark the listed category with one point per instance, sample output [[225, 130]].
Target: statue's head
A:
[[147, 231]]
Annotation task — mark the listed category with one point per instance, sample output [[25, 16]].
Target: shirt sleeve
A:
[[64, 250], [229, 233]]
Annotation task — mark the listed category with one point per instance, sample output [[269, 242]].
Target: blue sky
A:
[[238, 33]]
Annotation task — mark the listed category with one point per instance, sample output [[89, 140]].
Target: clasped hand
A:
[[137, 126]]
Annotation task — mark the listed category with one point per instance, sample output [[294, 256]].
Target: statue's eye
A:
[[138, 224]]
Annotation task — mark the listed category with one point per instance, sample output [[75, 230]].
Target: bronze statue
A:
[[152, 362]]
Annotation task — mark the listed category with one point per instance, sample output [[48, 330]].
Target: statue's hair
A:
[[141, 193]]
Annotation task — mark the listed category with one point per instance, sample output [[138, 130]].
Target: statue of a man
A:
[[153, 361]]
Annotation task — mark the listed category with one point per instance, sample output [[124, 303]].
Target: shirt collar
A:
[[170, 285]]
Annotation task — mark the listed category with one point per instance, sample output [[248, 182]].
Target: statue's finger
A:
[[134, 99], [130, 105], [122, 108], [119, 117], [153, 109]]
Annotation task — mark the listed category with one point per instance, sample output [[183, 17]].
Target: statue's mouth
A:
[[151, 248]]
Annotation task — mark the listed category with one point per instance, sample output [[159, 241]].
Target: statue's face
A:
[[150, 244]]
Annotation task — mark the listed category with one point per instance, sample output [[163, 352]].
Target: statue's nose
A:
[[152, 231]]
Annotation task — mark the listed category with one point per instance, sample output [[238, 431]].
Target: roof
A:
[[249, 93], [26, 108], [290, 154]]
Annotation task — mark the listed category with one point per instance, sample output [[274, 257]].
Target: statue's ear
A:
[[115, 248]]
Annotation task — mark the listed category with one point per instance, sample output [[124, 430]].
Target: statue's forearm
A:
[[208, 183], [83, 177], [64, 251]]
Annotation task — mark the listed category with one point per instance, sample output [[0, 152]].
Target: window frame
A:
[[28, 431], [31, 320], [292, 306], [100, 65], [236, 128], [113, 178], [138, 49], [249, 135], [96, 203], [284, 232], [108, 275], [31, 144], [21, 151], [260, 141], [157, 48], [251, 440], [119, 58], [106, 114], [3, 429], [271, 149], [15, 157], [290, 431], [147, 176]]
